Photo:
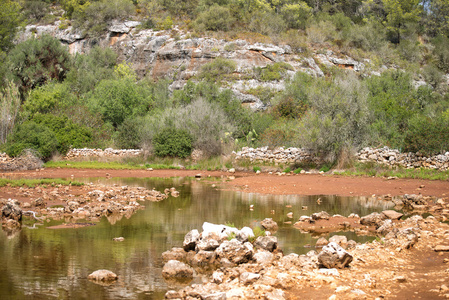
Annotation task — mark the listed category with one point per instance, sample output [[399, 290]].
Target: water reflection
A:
[[47, 263]]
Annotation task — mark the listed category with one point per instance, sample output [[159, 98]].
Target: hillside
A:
[[216, 76]]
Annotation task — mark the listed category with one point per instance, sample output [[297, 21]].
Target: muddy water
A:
[[44, 263]]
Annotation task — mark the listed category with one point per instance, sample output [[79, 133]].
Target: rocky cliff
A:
[[177, 55]]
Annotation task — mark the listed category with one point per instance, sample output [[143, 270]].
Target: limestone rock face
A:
[[334, 256], [175, 269], [103, 275]]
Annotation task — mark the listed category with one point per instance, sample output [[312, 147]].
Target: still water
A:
[[48, 263]]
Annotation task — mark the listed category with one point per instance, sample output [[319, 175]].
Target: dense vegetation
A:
[[51, 101]]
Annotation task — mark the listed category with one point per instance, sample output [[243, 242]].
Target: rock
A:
[[373, 219], [39, 202], [277, 294], [404, 239], [11, 210], [231, 170], [340, 240], [118, 239], [203, 259], [393, 215], [209, 243], [222, 231], [269, 224], [175, 269], [217, 277], [320, 216], [329, 272], [174, 254], [12, 224], [321, 242], [268, 243], [400, 279], [102, 275], [190, 240], [263, 257], [334, 256], [385, 227], [214, 296], [441, 248], [235, 251], [249, 278], [172, 295], [244, 234]]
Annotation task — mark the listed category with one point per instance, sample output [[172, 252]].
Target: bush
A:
[[276, 71], [118, 99], [215, 18], [429, 136], [338, 118], [67, 133], [31, 135], [287, 108], [296, 15], [50, 98], [128, 135], [267, 23], [173, 142], [217, 69], [89, 69], [37, 61]]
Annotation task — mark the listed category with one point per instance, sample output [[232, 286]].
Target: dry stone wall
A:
[[281, 155]]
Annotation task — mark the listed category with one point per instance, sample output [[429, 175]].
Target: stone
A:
[[235, 251], [214, 296], [175, 269], [174, 254], [190, 240], [277, 294], [102, 275], [217, 277], [207, 244], [340, 240], [321, 242], [249, 278], [244, 234], [118, 239], [334, 256], [172, 295], [320, 216], [393, 215], [441, 248], [12, 210], [203, 259], [263, 257], [269, 224], [372, 219], [268, 243], [385, 227]]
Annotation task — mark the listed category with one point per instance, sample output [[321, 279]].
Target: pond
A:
[[48, 263]]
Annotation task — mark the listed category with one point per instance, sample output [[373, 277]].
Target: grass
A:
[[371, 169], [36, 182], [217, 163]]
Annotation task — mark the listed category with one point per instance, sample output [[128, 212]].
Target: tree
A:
[[400, 13], [10, 20], [37, 61], [9, 107]]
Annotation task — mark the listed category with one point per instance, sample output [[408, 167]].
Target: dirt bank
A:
[[303, 184]]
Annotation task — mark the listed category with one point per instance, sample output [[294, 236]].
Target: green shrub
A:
[[215, 18], [67, 133], [217, 69], [37, 61], [287, 108], [256, 168], [287, 170], [296, 15], [268, 23], [128, 136], [118, 99], [173, 142], [297, 171], [89, 69], [276, 71], [9, 108], [31, 135], [429, 136]]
